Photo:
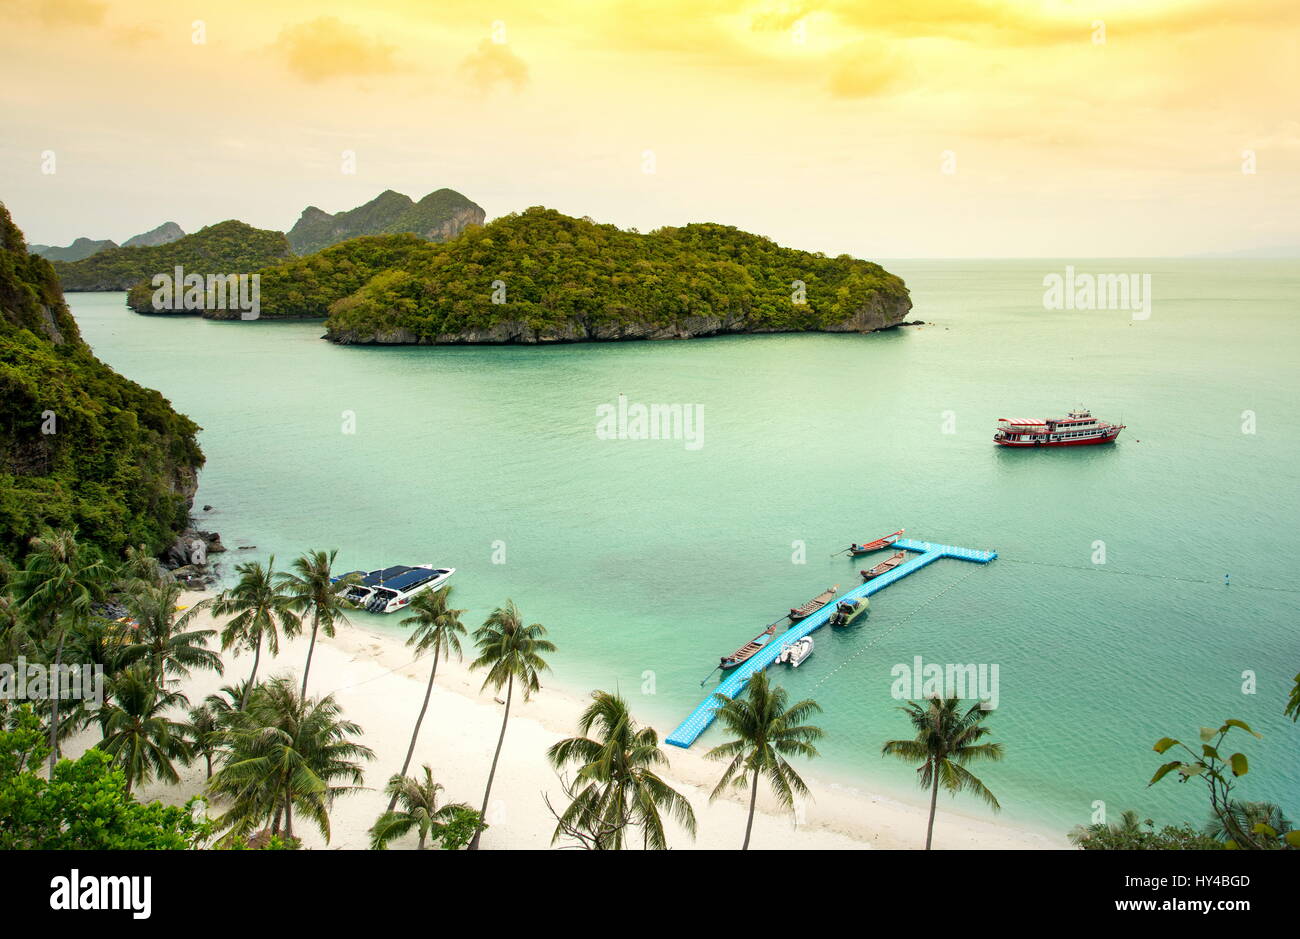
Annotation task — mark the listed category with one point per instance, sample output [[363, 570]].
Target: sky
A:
[[878, 128]]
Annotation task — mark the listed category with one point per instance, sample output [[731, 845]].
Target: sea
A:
[[656, 504]]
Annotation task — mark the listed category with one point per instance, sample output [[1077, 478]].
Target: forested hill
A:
[[229, 247], [441, 215], [541, 276], [79, 444]]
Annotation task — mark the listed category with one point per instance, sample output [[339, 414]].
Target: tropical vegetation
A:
[[947, 740], [229, 247], [83, 447], [765, 730]]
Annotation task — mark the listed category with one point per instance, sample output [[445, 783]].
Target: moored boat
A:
[[857, 550], [846, 611], [746, 652], [392, 588], [812, 606], [794, 653], [1078, 428], [888, 564]]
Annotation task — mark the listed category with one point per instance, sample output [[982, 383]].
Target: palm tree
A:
[[287, 753], [260, 611], [616, 786], [138, 735], [766, 732], [1128, 824], [510, 651], [204, 732], [58, 586], [315, 593], [161, 640], [946, 740], [1244, 816], [420, 810], [437, 629]]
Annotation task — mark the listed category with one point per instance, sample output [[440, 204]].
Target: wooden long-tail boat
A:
[[886, 565], [746, 652], [857, 550], [812, 606]]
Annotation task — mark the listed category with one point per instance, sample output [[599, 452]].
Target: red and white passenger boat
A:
[[1079, 428]]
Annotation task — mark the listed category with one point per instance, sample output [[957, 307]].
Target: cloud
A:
[[863, 69], [57, 13], [492, 64], [327, 47]]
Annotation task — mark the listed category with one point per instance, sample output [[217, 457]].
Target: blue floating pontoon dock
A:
[[926, 551]]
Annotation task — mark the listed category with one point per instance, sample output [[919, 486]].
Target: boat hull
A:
[[1069, 442]]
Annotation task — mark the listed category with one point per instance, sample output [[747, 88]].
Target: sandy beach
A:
[[379, 686]]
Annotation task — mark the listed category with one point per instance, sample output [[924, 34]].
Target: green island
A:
[[541, 276], [79, 444], [229, 247]]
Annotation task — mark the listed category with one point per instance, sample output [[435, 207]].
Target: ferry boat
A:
[[1076, 429], [393, 588]]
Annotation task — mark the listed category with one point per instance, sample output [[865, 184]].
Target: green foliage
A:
[[615, 786], [766, 729], [1130, 834], [1244, 825], [452, 826], [305, 287], [946, 741], [571, 278], [86, 806], [228, 247], [120, 463]]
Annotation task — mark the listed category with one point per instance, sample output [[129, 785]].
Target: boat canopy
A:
[[1023, 421]]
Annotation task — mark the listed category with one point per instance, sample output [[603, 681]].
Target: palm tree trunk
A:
[[934, 800], [753, 800], [410, 751], [54, 705], [257, 657], [510, 688], [288, 815], [311, 647]]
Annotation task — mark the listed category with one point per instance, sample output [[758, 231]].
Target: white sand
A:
[[374, 682]]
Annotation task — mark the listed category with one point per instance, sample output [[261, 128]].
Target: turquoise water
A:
[[647, 560]]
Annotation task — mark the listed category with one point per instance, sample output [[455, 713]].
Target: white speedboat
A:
[[393, 588], [794, 653]]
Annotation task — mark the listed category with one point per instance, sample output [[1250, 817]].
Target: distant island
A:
[[78, 250], [541, 276], [228, 247], [439, 216]]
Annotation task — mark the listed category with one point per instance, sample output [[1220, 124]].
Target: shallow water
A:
[[647, 559]]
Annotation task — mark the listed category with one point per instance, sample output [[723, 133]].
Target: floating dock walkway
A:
[[926, 551]]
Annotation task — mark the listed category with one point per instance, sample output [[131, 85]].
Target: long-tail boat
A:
[[886, 565], [857, 550], [812, 606], [746, 652]]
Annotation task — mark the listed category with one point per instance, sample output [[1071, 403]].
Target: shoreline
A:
[[380, 687]]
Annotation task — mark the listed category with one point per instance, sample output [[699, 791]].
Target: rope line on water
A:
[[1104, 569], [876, 637]]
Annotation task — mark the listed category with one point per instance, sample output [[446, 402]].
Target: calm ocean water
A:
[[647, 560]]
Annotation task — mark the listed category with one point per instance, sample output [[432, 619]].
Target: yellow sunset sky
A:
[[882, 129]]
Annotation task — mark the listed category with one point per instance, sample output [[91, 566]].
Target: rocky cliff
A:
[[439, 216], [79, 444]]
